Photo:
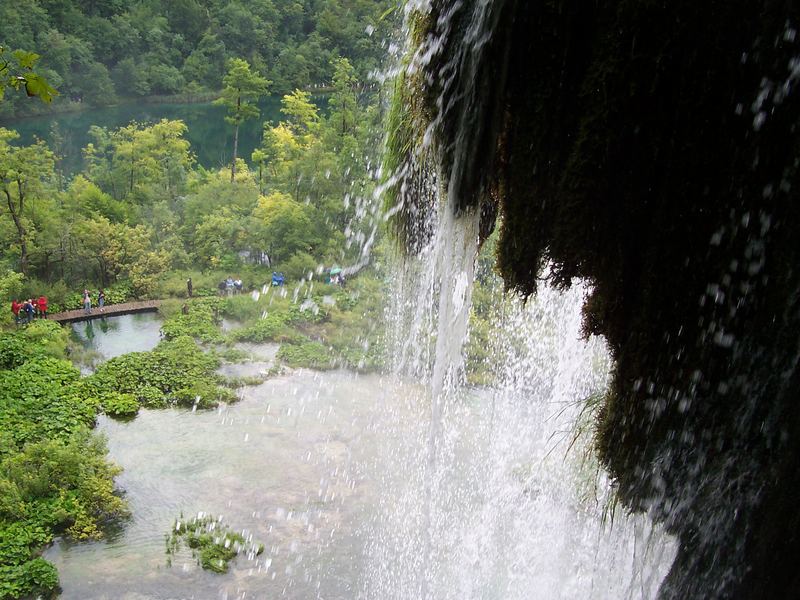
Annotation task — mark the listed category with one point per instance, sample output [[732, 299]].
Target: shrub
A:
[[299, 266], [120, 405], [204, 394], [264, 330], [201, 322], [162, 377], [308, 354]]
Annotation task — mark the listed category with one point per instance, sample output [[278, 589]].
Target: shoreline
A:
[[71, 107]]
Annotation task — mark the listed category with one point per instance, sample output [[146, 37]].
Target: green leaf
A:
[[35, 85], [25, 59]]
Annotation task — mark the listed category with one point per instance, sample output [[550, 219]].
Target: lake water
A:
[[279, 464], [108, 337], [210, 137], [328, 471]]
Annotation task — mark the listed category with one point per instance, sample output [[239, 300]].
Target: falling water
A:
[[501, 496]]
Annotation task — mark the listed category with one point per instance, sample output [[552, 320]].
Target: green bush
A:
[[264, 330], [201, 322], [117, 293], [299, 266], [308, 354], [204, 394], [63, 484], [169, 374], [115, 404]]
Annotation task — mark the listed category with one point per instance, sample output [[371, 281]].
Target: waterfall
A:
[[491, 492], [494, 492]]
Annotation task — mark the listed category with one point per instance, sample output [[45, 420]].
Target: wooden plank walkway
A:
[[112, 310]]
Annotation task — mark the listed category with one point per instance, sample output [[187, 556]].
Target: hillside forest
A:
[[104, 51]]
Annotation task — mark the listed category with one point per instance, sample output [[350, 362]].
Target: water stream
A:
[[332, 472]]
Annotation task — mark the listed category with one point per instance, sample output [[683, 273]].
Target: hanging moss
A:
[[651, 149]]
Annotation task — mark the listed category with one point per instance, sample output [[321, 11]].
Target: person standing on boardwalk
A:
[[29, 310], [189, 287], [101, 299], [43, 306], [87, 302]]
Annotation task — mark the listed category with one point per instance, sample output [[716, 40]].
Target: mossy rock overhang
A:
[[650, 148]]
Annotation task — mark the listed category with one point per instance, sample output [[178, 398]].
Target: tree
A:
[[22, 169], [242, 90], [282, 227], [303, 115], [343, 101], [16, 72]]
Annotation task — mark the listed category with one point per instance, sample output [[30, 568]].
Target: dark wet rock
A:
[[652, 149]]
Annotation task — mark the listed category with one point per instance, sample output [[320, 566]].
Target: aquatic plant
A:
[[322, 329], [177, 371], [200, 322], [115, 404], [214, 544], [308, 354]]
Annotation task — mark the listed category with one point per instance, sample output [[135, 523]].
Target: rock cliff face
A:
[[651, 148]]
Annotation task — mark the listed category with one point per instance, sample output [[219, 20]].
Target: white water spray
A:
[[493, 492]]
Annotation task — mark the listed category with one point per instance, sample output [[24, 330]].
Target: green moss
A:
[[628, 155]]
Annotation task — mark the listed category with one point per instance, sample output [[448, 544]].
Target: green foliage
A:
[[172, 46], [269, 329], [331, 327], [115, 404], [213, 543], [205, 394], [308, 354], [242, 89], [54, 476], [16, 73], [24, 172], [201, 322], [175, 372], [11, 285], [142, 206]]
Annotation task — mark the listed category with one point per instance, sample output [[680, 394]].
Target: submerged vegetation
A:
[[214, 544]]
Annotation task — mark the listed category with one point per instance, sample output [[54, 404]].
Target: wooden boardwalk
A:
[[113, 310]]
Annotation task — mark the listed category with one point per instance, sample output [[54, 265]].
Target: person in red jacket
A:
[[43, 307], [15, 306]]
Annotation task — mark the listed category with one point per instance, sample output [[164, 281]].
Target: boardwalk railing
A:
[[113, 310]]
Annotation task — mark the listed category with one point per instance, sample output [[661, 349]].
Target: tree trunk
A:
[[235, 151], [21, 233]]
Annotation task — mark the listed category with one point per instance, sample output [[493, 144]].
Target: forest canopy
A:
[[97, 52]]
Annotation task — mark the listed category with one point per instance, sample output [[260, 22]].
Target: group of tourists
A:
[[36, 308], [30, 309], [87, 301], [230, 286]]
